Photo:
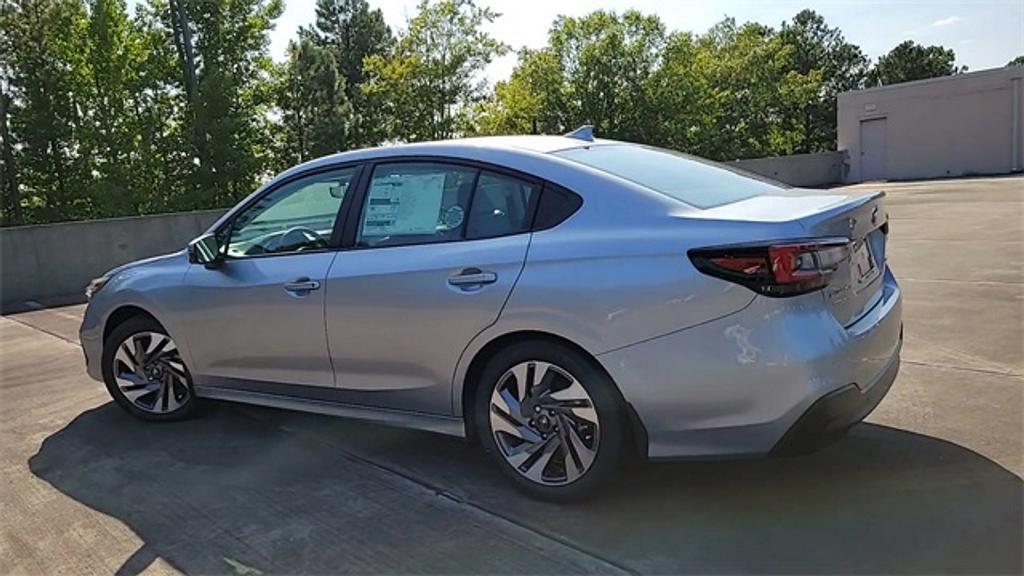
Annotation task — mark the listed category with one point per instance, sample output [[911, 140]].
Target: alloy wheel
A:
[[544, 423], [150, 374]]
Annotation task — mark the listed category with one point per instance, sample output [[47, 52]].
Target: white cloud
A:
[[947, 21]]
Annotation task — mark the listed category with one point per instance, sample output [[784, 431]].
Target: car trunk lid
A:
[[855, 287]]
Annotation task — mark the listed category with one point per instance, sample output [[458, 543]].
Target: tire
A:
[[159, 389], [589, 441]]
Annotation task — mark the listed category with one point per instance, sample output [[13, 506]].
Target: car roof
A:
[[462, 147]]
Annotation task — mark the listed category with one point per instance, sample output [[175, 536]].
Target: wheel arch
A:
[[124, 313], [470, 381]]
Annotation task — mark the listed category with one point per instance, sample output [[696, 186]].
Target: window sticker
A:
[[404, 204], [453, 217]]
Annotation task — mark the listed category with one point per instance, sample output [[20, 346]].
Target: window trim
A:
[[346, 223], [352, 222], [334, 242]]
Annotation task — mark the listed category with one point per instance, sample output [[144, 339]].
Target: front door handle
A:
[[473, 277], [302, 286]]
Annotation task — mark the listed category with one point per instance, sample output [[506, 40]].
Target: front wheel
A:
[[552, 419], [144, 372]]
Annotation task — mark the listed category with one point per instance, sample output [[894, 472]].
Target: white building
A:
[[959, 125]]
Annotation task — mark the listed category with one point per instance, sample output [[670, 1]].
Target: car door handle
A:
[[472, 277], [300, 285]]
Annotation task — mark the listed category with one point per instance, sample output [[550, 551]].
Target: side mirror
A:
[[205, 250]]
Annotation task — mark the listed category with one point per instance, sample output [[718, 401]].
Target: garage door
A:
[[873, 150]]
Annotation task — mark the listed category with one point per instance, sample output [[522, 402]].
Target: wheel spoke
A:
[[575, 400], [138, 351], [125, 355], [157, 345], [508, 403], [508, 425], [577, 452], [547, 378], [575, 391], [535, 467], [135, 391], [522, 373]]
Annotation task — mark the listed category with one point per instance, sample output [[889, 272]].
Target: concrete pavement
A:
[[932, 484]]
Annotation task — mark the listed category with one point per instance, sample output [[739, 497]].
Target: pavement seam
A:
[[961, 368], [447, 495], [43, 330]]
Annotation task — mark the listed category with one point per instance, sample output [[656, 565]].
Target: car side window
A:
[[416, 203], [555, 206], [501, 206], [296, 217]]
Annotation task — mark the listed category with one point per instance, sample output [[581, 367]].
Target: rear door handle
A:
[[302, 285], [472, 277]]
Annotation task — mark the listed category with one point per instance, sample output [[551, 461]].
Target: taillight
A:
[[778, 269]]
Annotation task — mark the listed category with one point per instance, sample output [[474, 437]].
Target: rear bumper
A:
[[834, 413], [739, 384]]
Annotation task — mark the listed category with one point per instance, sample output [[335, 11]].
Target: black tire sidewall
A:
[[608, 403], [110, 346]]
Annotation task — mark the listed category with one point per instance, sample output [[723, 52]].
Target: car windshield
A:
[[691, 180]]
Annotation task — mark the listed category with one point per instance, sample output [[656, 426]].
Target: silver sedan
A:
[[565, 301]]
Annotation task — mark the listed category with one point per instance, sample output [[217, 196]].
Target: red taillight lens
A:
[[775, 269]]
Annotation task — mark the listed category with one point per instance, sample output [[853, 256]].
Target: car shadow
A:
[[210, 490]]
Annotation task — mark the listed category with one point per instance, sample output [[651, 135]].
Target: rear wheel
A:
[[144, 372], [552, 420]]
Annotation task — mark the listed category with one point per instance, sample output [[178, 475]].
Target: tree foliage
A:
[[316, 115], [816, 47], [910, 61], [350, 32], [178, 106], [428, 86]]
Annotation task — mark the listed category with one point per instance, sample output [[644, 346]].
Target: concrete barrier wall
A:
[[810, 170], [56, 261]]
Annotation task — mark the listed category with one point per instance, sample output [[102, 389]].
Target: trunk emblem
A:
[[874, 215], [853, 223]]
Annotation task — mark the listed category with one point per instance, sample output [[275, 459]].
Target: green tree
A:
[[350, 32], [596, 69], [430, 85], [44, 49], [1018, 61], [910, 61], [353, 32], [816, 47], [10, 188], [754, 92], [316, 114], [683, 96], [112, 140], [225, 73], [531, 101], [608, 60]]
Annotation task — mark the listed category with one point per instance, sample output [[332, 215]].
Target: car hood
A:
[[145, 262]]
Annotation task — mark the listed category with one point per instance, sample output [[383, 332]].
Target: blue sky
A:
[[984, 34]]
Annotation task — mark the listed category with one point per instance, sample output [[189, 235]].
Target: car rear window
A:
[[691, 180]]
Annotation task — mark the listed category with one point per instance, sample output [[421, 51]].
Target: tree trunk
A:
[[183, 42], [182, 32], [10, 195]]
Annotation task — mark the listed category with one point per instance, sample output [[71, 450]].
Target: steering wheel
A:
[[302, 238]]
